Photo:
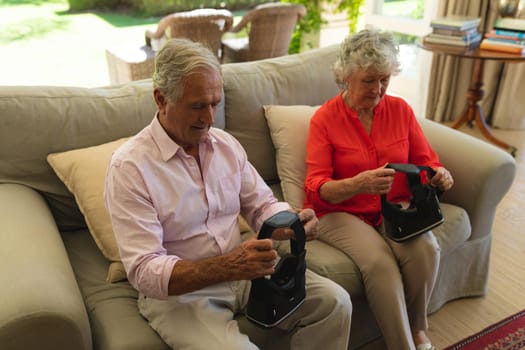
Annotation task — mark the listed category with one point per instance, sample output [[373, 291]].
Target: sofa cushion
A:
[[276, 81], [289, 130], [51, 119], [456, 222], [83, 171], [116, 323]]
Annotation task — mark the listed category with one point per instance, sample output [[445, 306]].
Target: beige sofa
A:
[[53, 273]]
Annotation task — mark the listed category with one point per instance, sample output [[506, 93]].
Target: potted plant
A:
[[306, 35]]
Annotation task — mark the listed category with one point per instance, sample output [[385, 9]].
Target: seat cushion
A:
[[116, 323], [455, 229]]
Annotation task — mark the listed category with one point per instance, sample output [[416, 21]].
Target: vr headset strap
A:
[[413, 177], [296, 245]]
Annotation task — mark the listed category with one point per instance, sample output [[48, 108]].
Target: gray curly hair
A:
[[176, 61], [369, 48]]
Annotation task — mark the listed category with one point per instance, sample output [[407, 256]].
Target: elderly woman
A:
[[351, 139]]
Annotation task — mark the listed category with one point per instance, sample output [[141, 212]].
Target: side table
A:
[[473, 111], [130, 62]]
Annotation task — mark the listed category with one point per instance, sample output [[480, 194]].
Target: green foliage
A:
[[82, 5], [310, 23], [352, 8], [418, 11], [313, 20], [30, 2], [403, 39], [32, 28], [157, 7], [160, 7]]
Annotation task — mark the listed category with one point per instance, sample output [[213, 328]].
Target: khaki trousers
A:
[[398, 277], [204, 319]]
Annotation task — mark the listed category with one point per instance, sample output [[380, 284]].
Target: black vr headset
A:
[[423, 213], [274, 298]]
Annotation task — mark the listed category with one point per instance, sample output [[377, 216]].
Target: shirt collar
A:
[[377, 110], [167, 147]]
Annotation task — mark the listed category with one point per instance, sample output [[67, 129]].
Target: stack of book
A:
[[508, 35], [455, 31]]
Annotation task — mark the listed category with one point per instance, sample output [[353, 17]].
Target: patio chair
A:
[[201, 25], [270, 27]]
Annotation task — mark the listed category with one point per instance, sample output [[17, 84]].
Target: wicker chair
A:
[[270, 27], [202, 25]]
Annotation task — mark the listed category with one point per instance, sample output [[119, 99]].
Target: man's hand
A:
[[252, 259], [308, 219]]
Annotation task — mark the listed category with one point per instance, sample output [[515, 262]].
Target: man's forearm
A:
[[188, 276], [253, 258]]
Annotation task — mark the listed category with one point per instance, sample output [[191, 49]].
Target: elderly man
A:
[[174, 192]]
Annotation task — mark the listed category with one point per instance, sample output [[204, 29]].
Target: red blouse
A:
[[339, 147]]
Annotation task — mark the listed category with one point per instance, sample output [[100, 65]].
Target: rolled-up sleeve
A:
[[138, 231]]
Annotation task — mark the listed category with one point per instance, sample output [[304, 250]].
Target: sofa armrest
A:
[[40, 304], [482, 173]]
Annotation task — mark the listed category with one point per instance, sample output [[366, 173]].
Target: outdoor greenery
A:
[[311, 23], [352, 9], [156, 7], [160, 7], [313, 20], [44, 42]]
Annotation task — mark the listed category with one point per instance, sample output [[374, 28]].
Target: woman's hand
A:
[[376, 181], [442, 179], [310, 222]]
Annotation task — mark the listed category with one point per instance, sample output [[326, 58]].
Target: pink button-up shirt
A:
[[164, 209]]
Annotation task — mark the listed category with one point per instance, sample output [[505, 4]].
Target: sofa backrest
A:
[[38, 120], [302, 79]]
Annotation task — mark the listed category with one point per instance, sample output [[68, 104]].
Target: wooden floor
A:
[[461, 318]]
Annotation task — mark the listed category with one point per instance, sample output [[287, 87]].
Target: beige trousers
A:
[[398, 277], [204, 319]]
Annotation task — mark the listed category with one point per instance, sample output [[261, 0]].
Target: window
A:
[[409, 20]]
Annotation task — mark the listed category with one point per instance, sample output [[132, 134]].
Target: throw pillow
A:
[[289, 130], [243, 225], [83, 171]]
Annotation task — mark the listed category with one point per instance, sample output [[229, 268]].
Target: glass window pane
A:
[[413, 9], [408, 51]]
